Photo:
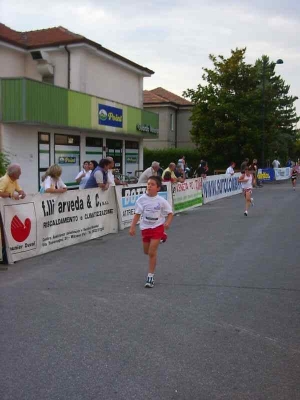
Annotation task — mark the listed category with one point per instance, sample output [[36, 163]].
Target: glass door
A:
[[114, 149]]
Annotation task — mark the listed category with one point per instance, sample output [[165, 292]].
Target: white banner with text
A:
[[218, 186], [187, 195], [45, 222], [127, 197]]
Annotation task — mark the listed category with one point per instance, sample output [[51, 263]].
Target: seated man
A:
[[171, 168], [9, 186]]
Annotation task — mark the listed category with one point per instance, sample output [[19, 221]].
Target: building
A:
[[65, 99], [174, 114]]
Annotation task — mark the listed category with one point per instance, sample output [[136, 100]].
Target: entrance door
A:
[[114, 149]]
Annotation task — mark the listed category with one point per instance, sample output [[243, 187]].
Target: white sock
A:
[[150, 275]]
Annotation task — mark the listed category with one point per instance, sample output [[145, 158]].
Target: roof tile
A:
[[161, 95]]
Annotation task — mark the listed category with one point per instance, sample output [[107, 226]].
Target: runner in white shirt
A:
[[246, 180], [156, 215]]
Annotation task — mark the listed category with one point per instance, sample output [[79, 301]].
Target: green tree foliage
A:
[[4, 161], [227, 113]]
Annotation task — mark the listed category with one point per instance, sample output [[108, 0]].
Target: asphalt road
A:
[[222, 321]]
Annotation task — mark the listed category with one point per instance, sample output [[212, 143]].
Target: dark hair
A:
[[167, 175], [157, 179], [86, 162], [95, 164], [104, 162]]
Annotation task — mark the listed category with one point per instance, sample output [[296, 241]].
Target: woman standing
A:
[[83, 175]]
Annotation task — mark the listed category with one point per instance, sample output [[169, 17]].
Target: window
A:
[[172, 122], [67, 140], [94, 142]]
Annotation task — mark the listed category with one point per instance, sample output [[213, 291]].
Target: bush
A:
[[192, 156], [4, 161]]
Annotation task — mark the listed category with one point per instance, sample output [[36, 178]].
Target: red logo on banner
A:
[[20, 231]]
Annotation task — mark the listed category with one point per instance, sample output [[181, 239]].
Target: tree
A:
[[280, 118], [227, 113]]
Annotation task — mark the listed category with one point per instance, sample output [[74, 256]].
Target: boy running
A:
[[153, 209], [246, 180]]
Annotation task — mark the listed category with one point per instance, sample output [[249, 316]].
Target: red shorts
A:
[[152, 233]]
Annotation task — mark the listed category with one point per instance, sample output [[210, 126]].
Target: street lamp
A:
[[263, 114]]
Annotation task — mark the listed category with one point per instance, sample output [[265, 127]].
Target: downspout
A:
[[69, 66], [176, 132]]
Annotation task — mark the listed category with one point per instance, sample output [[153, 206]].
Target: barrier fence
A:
[[43, 223]]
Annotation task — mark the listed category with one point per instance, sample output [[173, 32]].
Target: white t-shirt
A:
[[84, 179], [230, 170], [248, 183], [110, 178], [51, 183], [146, 175], [276, 164], [153, 211], [98, 175]]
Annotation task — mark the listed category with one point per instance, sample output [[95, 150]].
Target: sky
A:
[[174, 38]]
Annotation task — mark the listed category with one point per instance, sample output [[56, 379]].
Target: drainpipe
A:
[[176, 131], [69, 66]]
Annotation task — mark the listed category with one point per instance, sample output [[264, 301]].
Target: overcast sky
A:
[[174, 37]]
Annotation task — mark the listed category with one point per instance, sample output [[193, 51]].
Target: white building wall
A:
[[166, 136], [184, 125], [12, 63], [111, 81]]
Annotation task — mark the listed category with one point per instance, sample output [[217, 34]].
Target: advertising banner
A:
[[45, 222], [266, 174], [218, 186], [187, 195], [127, 197], [282, 173], [110, 116]]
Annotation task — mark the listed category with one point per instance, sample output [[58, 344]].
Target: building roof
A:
[[56, 36], [163, 96]]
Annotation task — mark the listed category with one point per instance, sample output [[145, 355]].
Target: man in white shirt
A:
[[276, 163], [151, 171], [230, 169]]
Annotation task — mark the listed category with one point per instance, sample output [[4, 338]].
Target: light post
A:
[[263, 113]]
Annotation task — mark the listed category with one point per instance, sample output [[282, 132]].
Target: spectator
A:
[[254, 170], [202, 169], [171, 168], [83, 175], [98, 176], [179, 173], [111, 178], [9, 186], [151, 171], [52, 182], [167, 177], [244, 164], [230, 169], [93, 165], [182, 163], [289, 163], [276, 163]]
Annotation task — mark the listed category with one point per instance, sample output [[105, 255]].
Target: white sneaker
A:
[[246, 213], [252, 201]]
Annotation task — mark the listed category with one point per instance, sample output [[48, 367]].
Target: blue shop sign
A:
[[110, 116]]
